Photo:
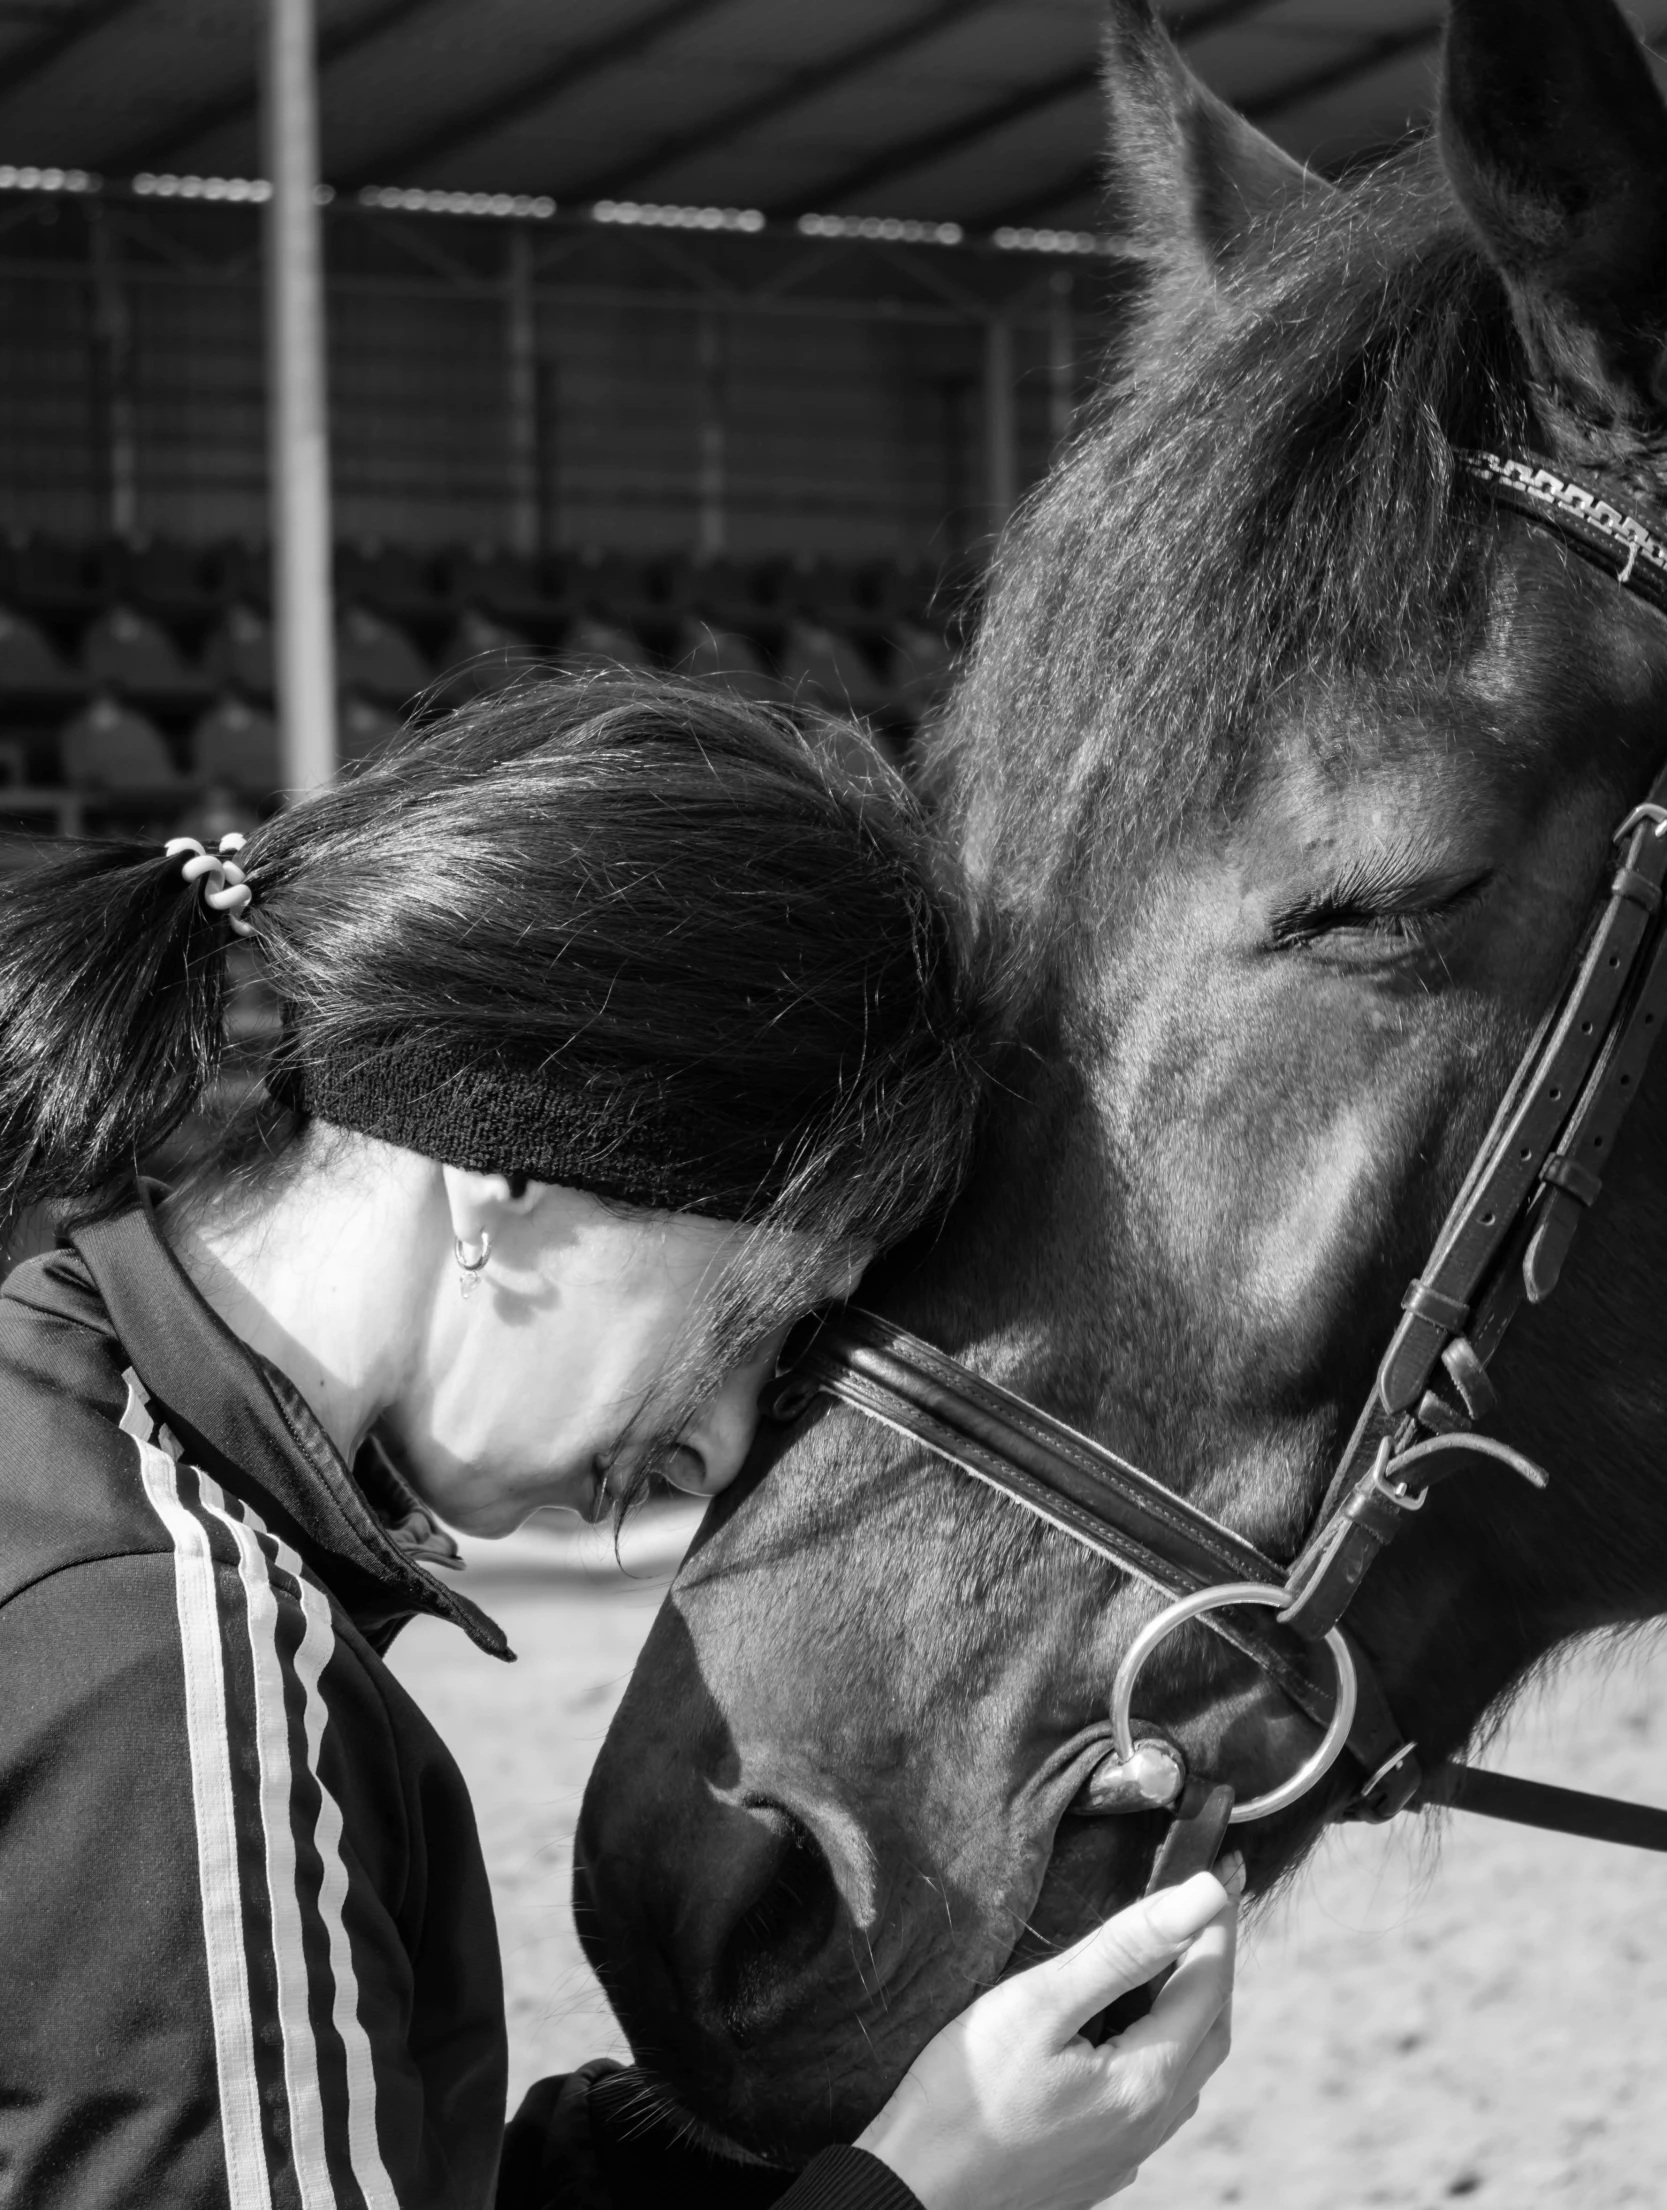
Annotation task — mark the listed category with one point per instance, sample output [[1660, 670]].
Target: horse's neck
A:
[[1583, 1387]]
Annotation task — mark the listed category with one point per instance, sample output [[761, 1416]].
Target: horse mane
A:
[[1261, 499]]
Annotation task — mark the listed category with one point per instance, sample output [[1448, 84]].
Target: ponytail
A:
[[112, 993]]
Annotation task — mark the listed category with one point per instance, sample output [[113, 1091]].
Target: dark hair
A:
[[1264, 496], [684, 919]]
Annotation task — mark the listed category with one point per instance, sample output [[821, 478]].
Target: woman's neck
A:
[[324, 1268]]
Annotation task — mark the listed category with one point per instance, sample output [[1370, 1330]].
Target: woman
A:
[[619, 1029]]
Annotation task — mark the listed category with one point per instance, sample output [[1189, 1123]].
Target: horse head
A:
[[1283, 774]]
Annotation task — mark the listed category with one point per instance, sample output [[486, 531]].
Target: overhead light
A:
[[886, 229], [499, 206], [14, 179], [653, 216], [238, 189], [1027, 240]]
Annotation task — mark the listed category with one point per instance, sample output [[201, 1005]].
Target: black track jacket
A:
[[247, 1955]]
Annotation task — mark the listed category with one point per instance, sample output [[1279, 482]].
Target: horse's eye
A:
[[1355, 925]]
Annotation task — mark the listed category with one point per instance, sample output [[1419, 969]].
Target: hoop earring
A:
[[470, 1269]]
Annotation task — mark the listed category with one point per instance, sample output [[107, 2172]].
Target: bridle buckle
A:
[[1647, 810], [1393, 1492]]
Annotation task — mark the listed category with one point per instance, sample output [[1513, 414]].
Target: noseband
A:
[[1536, 1175]]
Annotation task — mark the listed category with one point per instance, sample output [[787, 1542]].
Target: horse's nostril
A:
[[781, 1931]]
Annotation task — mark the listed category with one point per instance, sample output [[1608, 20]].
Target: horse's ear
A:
[[1187, 180], [1555, 139]]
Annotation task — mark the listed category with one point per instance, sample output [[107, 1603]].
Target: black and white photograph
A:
[[833, 1182]]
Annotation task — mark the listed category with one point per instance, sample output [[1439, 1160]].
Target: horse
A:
[[1282, 775]]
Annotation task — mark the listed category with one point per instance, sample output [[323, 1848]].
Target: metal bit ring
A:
[[1218, 1599]]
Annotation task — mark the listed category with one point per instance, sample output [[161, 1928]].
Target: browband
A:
[[1605, 533]]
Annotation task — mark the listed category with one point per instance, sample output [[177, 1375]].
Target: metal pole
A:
[[710, 531], [113, 381], [1001, 465], [1062, 356], [526, 488], [298, 429]]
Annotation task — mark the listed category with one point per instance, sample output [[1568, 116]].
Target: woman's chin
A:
[[488, 1517]]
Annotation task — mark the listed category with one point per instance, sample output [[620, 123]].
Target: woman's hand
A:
[[1010, 2109]]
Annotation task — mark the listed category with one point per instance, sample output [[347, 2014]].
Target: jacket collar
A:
[[250, 1415]]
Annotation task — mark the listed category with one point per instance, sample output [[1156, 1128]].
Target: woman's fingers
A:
[[1191, 1999], [1063, 1993], [1008, 2105]]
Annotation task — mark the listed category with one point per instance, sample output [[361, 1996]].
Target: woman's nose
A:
[[721, 1432]]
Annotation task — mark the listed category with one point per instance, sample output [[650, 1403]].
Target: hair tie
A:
[[224, 887]]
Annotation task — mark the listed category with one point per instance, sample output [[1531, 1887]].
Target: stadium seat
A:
[[725, 656], [820, 590], [919, 666], [391, 578], [376, 657], [520, 592], [235, 569], [877, 590], [363, 725], [235, 745], [483, 656], [593, 642], [239, 651], [828, 668], [131, 652], [722, 592], [30, 665], [110, 745], [163, 576], [613, 586], [45, 575]]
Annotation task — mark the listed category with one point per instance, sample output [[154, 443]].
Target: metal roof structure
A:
[[980, 112]]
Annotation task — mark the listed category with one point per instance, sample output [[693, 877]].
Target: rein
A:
[[1536, 1175]]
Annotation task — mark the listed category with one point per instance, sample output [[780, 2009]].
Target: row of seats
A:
[[140, 668], [131, 713], [57, 580], [133, 654], [111, 746]]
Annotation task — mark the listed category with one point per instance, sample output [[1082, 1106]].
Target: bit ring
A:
[[1218, 1599]]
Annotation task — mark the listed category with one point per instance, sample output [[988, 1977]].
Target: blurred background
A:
[[720, 334], [365, 359]]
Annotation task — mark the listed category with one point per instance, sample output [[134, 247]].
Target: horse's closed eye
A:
[[1349, 921]]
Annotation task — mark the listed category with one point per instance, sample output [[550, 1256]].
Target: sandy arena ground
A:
[[1486, 2020]]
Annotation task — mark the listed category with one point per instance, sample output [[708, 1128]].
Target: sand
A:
[[1429, 2015]]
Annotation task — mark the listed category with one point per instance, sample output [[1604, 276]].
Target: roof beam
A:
[[1087, 176], [1372, 54], [67, 29], [1360, 61], [793, 90], [403, 161], [242, 103], [949, 138]]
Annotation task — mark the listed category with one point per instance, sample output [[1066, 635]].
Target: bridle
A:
[[1536, 1175]]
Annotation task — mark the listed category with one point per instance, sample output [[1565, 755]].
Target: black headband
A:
[[623, 1138]]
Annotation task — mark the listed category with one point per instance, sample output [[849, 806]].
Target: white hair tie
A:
[[224, 888]]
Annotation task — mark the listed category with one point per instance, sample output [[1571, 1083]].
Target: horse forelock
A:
[[1262, 498]]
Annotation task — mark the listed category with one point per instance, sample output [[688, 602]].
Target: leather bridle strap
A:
[[1537, 1803], [1077, 1485], [1504, 1241], [1541, 1165]]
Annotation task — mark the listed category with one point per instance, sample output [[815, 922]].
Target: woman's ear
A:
[[479, 1204], [1555, 139]]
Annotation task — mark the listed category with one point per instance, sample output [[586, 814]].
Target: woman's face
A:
[[568, 1361]]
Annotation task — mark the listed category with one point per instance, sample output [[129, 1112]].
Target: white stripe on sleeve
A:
[[211, 1796], [300, 2049]]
